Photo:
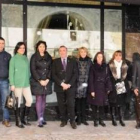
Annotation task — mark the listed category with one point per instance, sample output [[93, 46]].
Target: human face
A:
[[118, 57], [21, 50], [83, 53], [63, 52], [2, 44], [99, 58], [41, 48]]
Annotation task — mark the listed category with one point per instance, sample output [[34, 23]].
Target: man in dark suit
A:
[[64, 73]]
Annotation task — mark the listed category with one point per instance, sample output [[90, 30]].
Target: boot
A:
[[17, 118], [120, 113], [25, 115], [113, 116]]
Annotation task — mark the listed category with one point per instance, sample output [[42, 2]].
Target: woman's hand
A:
[[12, 88], [42, 82], [108, 92], [136, 91], [47, 81], [93, 94]]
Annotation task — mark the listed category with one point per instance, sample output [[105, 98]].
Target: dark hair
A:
[[18, 46], [136, 57], [1, 38], [41, 42], [95, 58], [63, 47]]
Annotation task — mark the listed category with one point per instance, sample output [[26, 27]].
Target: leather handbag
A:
[[10, 101]]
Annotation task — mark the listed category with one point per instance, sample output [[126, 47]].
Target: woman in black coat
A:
[[40, 78], [118, 96], [99, 87]]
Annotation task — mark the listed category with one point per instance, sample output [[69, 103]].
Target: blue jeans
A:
[[4, 91]]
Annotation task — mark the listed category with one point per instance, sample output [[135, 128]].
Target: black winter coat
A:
[[99, 82], [40, 70], [121, 99]]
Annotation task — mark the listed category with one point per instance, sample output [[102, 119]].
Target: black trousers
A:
[[137, 108], [81, 108], [66, 104]]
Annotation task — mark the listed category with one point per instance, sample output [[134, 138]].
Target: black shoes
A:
[[44, 122], [40, 125], [114, 123], [63, 124], [122, 123], [73, 125], [85, 123], [137, 126], [101, 122]]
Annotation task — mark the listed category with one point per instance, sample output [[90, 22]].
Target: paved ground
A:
[[52, 131]]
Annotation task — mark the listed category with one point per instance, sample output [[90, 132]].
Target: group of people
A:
[[78, 82]]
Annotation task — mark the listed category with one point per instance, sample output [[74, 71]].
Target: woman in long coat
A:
[[99, 88], [117, 98], [40, 78]]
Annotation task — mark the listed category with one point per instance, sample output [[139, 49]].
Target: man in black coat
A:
[[4, 82], [64, 73], [136, 86]]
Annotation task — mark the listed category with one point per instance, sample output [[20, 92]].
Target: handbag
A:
[[120, 87], [10, 101]]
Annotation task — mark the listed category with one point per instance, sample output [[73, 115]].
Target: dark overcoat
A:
[[40, 70], [136, 72], [99, 82]]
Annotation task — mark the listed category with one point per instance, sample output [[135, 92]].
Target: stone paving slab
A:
[[52, 131]]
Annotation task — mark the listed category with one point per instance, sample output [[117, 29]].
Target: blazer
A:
[[59, 75]]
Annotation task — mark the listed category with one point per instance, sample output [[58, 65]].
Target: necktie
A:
[[64, 64]]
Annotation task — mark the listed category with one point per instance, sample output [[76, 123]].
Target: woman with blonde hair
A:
[[84, 63], [119, 70]]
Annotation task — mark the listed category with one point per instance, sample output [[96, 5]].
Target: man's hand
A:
[[65, 86]]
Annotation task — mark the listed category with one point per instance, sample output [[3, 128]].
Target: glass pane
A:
[[57, 26], [113, 32], [12, 25]]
